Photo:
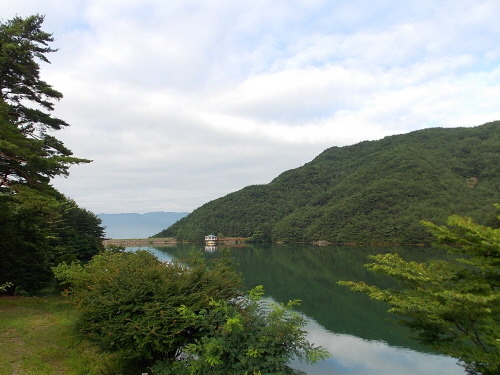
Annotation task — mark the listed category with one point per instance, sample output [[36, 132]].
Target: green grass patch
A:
[[37, 338]]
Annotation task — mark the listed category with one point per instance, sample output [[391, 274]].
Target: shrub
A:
[[183, 317], [251, 336]]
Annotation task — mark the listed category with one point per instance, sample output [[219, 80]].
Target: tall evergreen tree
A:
[[28, 154], [37, 223]]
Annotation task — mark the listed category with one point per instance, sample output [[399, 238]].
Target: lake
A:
[[361, 336]]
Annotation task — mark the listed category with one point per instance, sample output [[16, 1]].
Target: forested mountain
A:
[[374, 191], [133, 225]]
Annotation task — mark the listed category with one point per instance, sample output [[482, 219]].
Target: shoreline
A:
[[139, 241], [240, 241]]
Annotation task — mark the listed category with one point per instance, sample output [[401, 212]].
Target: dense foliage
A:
[[182, 318], [370, 192], [39, 229], [28, 154], [38, 225], [453, 306]]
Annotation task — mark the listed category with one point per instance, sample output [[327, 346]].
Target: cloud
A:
[[353, 355], [181, 102]]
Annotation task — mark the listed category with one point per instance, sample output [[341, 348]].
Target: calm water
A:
[[362, 338]]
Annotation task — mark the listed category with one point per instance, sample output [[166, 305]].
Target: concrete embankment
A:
[[140, 242], [169, 241]]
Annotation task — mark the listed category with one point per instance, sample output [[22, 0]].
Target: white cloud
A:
[[357, 356], [181, 102]]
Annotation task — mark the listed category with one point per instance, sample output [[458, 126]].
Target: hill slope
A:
[[132, 225], [375, 191]]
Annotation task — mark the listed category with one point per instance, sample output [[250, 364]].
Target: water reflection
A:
[[352, 355], [357, 331], [159, 252]]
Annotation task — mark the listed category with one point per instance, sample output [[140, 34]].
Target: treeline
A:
[[39, 226], [371, 192], [40, 229]]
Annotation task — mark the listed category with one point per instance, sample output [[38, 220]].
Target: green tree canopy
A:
[[28, 154], [37, 231], [370, 192], [37, 223], [452, 306], [22, 43]]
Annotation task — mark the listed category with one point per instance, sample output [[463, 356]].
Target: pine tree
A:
[[28, 154]]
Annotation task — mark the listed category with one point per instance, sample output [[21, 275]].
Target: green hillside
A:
[[370, 192]]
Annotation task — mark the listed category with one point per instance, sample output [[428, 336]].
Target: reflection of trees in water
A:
[[310, 273]]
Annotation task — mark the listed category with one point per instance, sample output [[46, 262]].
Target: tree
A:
[[453, 306], [38, 224], [79, 232], [182, 318], [26, 221], [38, 230], [372, 192], [28, 154]]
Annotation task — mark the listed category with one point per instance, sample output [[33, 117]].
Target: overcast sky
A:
[[181, 102]]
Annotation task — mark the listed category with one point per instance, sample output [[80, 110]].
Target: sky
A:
[[181, 102]]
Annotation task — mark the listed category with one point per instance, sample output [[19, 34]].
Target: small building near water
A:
[[210, 240]]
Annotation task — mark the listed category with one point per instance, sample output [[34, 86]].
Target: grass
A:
[[36, 338]]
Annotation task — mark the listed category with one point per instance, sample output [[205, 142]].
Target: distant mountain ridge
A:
[[370, 192], [133, 225]]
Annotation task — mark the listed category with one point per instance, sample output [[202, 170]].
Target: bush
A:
[[251, 336], [182, 318]]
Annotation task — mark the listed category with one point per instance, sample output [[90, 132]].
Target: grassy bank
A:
[[36, 339]]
